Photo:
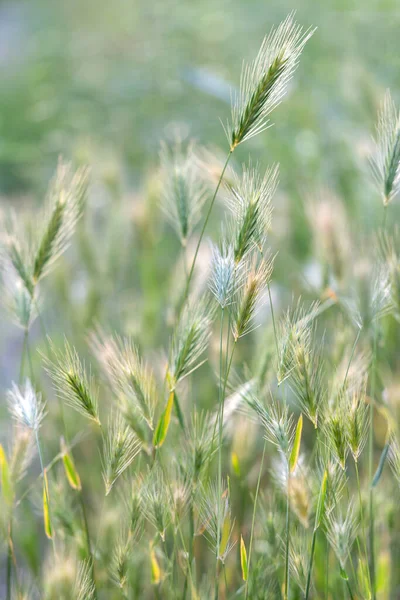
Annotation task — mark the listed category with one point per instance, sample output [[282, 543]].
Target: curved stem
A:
[[370, 468], [220, 417], [314, 537], [254, 514], [207, 217], [89, 546], [286, 594], [273, 320], [362, 521], [327, 550]]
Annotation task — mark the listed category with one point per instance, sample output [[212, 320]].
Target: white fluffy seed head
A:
[[26, 406], [223, 274]]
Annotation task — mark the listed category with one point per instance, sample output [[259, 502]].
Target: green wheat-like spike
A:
[[45, 250], [254, 108]]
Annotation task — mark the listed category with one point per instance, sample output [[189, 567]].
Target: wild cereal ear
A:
[[66, 199], [183, 188], [84, 586], [120, 448], [26, 405], [386, 161], [264, 82], [73, 384], [249, 202]]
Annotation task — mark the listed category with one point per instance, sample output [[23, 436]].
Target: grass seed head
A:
[[250, 205], [73, 384], [251, 295], [183, 190], [121, 447], [341, 532], [26, 405], [264, 82], [67, 196], [189, 341], [386, 161]]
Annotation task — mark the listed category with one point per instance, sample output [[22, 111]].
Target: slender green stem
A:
[[371, 449], [287, 535], [227, 371], [21, 370], [254, 514], [28, 353], [191, 541], [225, 579], [385, 211], [184, 260], [273, 320], [370, 469], [327, 552], [44, 483], [314, 537], [317, 522], [351, 357], [349, 589], [220, 409], [9, 561], [228, 368], [101, 520], [88, 542], [207, 217], [362, 521]]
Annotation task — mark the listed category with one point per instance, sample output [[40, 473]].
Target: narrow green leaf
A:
[[321, 499], [343, 574], [48, 529], [381, 464], [235, 464], [155, 568], [243, 559], [6, 483], [70, 469], [294, 455], [225, 534], [163, 424], [179, 412]]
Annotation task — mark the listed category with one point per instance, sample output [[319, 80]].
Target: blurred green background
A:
[[105, 81]]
